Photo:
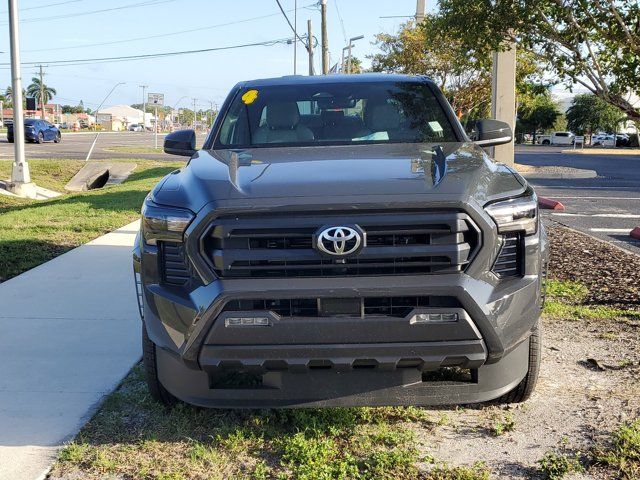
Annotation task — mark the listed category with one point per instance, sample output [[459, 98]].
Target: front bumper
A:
[[337, 361]]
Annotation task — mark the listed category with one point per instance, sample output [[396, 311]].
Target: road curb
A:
[[548, 204], [604, 151], [635, 233]]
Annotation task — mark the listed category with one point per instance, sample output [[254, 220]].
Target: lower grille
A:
[[509, 261], [370, 306], [175, 266]]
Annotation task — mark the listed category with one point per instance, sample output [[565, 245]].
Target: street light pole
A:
[[20, 178], [144, 106], [351, 40]]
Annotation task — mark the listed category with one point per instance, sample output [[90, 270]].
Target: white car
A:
[[603, 140], [557, 138], [135, 127]]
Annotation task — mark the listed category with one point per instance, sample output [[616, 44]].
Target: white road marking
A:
[[602, 215], [610, 230], [564, 187]]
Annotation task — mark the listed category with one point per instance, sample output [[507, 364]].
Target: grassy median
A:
[[33, 232]]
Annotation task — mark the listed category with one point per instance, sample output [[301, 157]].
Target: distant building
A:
[[119, 117]]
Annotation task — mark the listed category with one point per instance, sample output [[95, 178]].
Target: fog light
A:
[[246, 322], [434, 318]]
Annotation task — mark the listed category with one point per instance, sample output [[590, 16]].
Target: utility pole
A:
[[20, 178], [325, 38], [503, 98], [144, 107], [194, 113], [310, 46], [420, 11], [295, 37], [44, 117]]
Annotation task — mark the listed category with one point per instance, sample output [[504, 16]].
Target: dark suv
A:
[[339, 240]]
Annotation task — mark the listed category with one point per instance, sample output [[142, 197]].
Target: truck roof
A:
[[338, 78]]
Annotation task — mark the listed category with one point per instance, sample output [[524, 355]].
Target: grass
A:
[[623, 452], [133, 149], [556, 466], [502, 423], [33, 232], [134, 437], [564, 302]]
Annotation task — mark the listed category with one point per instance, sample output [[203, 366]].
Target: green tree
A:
[[535, 113], [36, 89], [464, 78], [589, 114], [594, 44]]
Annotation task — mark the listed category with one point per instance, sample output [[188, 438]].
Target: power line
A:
[[160, 35], [84, 61], [344, 32], [289, 21], [45, 6], [92, 12]]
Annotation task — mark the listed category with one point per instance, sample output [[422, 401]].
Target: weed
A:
[[623, 453], [555, 466], [502, 424]]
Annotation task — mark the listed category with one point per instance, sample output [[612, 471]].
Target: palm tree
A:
[[8, 94], [36, 88]]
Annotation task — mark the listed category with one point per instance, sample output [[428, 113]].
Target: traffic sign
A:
[[156, 99]]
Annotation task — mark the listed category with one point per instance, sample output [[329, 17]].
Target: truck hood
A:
[[449, 170]]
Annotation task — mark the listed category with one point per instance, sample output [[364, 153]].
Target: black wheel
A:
[[546, 142], [40, 138], [10, 140], [158, 392], [58, 138], [525, 388]]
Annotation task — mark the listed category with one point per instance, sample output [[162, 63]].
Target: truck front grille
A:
[[401, 243], [368, 306]]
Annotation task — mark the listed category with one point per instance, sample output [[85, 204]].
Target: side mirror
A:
[[488, 133], [182, 142]]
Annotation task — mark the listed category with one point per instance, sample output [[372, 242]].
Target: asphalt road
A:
[[75, 146], [607, 207]]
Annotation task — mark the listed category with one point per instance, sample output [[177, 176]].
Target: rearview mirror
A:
[[488, 133], [182, 142]]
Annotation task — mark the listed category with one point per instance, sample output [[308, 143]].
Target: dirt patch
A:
[[610, 273]]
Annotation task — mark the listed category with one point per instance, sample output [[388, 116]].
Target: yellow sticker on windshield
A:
[[249, 97]]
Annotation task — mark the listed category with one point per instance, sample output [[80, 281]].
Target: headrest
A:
[[332, 117], [283, 115], [382, 117]]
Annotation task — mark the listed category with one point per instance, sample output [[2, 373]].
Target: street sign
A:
[[156, 99]]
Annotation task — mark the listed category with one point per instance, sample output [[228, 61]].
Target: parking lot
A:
[[75, 146], [607, 207]]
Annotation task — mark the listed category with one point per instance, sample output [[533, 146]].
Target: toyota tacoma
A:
[[338, 241]]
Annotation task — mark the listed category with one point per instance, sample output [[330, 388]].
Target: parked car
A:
[[340, 240], [557, 138], [608, 139], [135, 127], [37, 131]]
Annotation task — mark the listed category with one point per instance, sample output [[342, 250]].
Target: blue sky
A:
[[205, 76]]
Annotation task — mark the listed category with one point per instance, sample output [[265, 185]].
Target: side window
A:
[[562, 134], [235, 128]]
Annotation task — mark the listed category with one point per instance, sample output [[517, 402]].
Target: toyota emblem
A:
[[339, 241]]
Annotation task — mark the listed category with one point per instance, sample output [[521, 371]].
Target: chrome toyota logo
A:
[[339, 241]]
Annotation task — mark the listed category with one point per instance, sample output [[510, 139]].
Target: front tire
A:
[[40, 138], [525, 388], [58, 138], [150, 361], [546, 142]]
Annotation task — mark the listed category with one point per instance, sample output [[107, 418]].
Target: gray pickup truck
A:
[[340, 240]]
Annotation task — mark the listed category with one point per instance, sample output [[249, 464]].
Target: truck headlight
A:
[[518, 214], [163, 223]]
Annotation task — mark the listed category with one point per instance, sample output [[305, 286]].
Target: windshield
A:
[[335, 114], [30, 122]]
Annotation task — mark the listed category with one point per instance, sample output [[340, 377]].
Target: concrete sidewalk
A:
[[69, 332]]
